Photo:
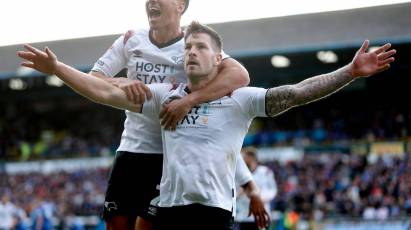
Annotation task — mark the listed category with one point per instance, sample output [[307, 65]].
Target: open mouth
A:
[[191, 63], [154, 12]]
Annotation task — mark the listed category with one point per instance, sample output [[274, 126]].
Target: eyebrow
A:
[[200, 43]]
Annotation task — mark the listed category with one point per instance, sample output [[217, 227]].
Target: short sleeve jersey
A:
[[149, 63], [200, 156]]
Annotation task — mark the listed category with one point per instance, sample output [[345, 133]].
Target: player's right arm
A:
[[87, 85], [135, 90]]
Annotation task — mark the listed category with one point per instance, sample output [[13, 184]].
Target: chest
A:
[[212, 116], [150, 64]]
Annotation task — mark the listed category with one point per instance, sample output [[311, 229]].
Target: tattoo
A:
[[280, 99]]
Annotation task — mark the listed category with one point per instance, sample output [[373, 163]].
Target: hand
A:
[[366, 64], [174, 112], [136, 91], [262, 218], [45, 62]]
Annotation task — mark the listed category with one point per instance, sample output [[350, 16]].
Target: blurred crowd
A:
[[59, 132], [317, 187], [54, 196], [338, 185], [305, 126]]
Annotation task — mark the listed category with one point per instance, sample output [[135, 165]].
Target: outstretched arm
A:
[[280, 99], [232, 75], [87, 85], [136, 90]]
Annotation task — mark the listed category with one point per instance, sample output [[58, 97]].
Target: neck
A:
[[197, 82], [165, 34]]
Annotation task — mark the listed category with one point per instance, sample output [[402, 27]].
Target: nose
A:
[[192, 51]]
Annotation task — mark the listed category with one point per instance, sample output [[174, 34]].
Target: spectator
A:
[[8, 213], [264, 178]]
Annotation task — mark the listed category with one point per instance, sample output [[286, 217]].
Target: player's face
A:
[[201, 56], [161, 13]]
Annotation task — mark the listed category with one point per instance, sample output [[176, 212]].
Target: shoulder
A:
[[127, 35], [264, 170], [248, 93], [248, 90], [134, 34]]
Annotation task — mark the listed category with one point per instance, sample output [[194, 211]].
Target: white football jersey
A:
[[200, 156], [242, 173], [149, 63]]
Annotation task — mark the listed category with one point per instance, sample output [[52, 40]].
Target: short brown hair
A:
[[196, 28]]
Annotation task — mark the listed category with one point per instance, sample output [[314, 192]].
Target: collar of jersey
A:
[[162, 45]]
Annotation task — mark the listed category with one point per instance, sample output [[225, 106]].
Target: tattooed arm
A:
[[282, 98]]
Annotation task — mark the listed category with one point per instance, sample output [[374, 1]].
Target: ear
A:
[[219, 59], [181, 6]]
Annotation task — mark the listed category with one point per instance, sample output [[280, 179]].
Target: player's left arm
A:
[[364, 64], [231, 75]]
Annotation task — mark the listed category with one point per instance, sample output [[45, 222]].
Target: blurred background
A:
[[340, 163]]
